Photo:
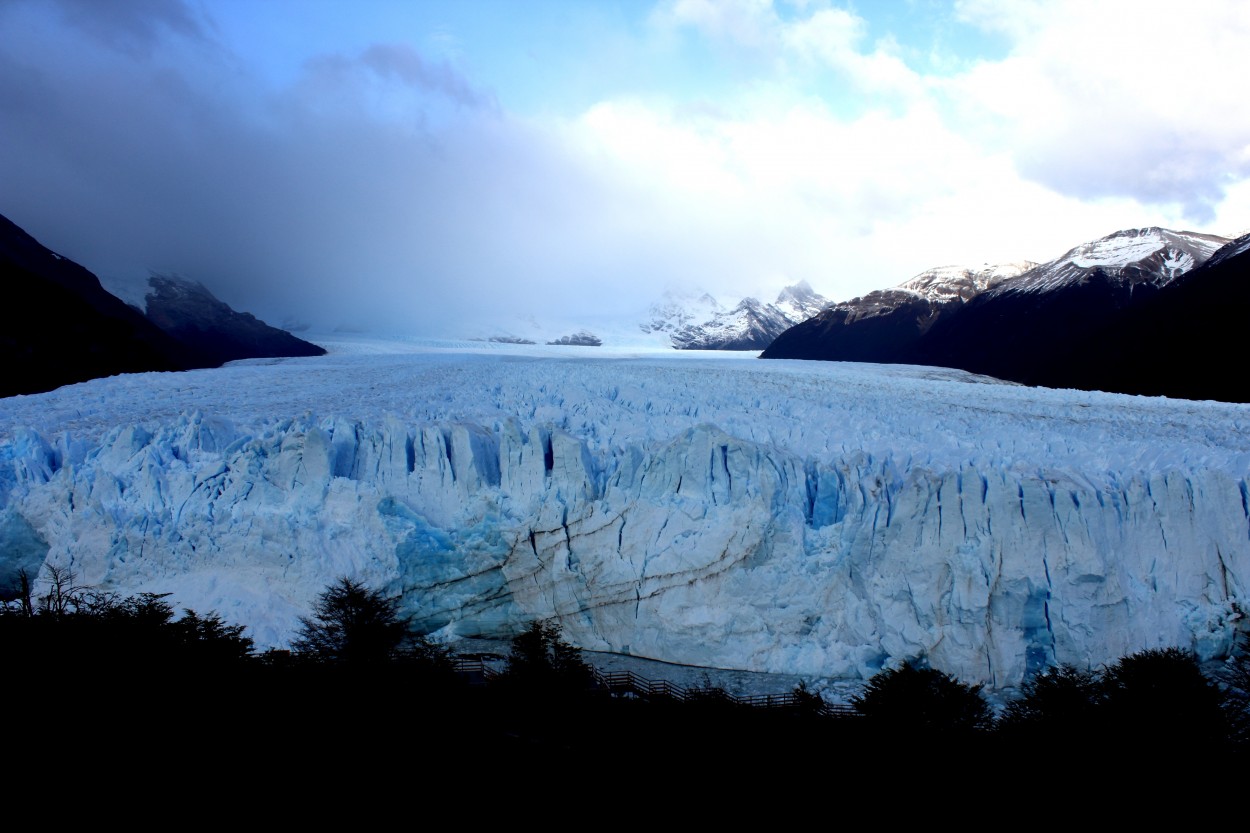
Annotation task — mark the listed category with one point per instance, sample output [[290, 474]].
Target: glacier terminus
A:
[[815, 518]]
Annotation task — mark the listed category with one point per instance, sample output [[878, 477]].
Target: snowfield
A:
[[811, 518]]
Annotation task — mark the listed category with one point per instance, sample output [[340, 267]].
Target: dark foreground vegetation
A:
[[96, 678]]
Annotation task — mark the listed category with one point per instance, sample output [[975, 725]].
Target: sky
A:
[[459, 167]]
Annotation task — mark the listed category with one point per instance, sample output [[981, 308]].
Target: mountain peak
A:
[[1236, 246], [946, 283], [800, 291], [1153, 254], [703, 324], [186, 310]]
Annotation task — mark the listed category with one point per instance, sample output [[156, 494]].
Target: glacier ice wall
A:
[[795, 522]]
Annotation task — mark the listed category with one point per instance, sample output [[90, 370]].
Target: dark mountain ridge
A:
[[1143, 311], [64, 327], [888, 325], [1182, 341], [211, 330]]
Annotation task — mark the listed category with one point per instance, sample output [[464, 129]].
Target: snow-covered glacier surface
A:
[[811, 518]]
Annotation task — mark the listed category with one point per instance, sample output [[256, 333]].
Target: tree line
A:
[[355, 658]]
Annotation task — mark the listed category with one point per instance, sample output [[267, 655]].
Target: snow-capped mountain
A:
[[676, 310], [1181, 341], [886, 325], [1042, 327], [1048, 325], [1149, 255], [951, 283], [690, 320], [821, 519], [702, 323], [800, 302], [1236, 247]]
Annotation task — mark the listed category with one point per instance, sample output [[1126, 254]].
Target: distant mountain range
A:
[[1147, 311], [886, 325], [64, 327], [1144, 311], [679, 320], [700, 323]]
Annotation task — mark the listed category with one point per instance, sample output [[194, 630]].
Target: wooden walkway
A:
[[629, 684]]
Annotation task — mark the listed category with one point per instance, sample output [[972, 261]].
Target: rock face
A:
[[957, 283], [812, 518], [66, 328], [581, 338], [1115, 314], [888, 325], [212, 331], [63, 327], [1043, 327], [1176, 342]]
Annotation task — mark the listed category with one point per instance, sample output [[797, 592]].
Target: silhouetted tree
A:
[[1160, 696], [352, 624], [542, 697], [1062, 700], [61, 594], [129, 657], [1236, 680], [211, 639], [25, 606], [915, 699], [541, 659], [807, 702]]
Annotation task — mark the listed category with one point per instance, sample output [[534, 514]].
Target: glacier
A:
[[811, 518]]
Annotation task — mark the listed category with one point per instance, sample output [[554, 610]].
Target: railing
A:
[[631, 684], [475, 668], [478, 670]]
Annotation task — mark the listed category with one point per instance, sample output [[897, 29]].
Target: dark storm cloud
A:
[[381, 188], [403, 62], [134, 26]]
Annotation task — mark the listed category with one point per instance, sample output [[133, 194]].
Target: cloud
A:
[[750, 23], [371, 190], [1095, 100], [1118, 99], [400, 61], [760, 198], [798, 39], [136, 27], [387, 186]]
